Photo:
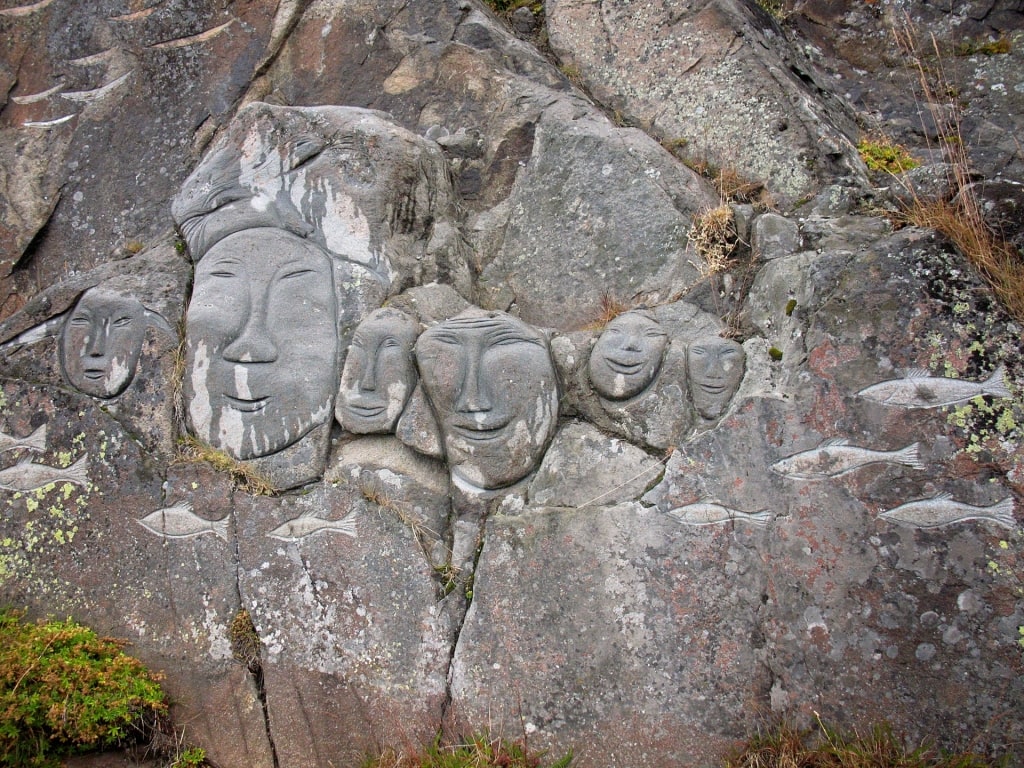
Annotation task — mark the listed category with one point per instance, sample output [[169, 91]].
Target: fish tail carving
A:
[[1002, 513], [79, 471], [37, 440], [911, 456], [995, 384], [220, 527]]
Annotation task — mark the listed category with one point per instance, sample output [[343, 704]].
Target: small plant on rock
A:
[[480, 751], [884, 155], [713, 234], [65, 690]]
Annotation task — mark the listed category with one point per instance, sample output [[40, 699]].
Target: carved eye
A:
[[121, 322], [698, 351], [223, 273], [389, 342], [79, 320], [296, 273], [653, 333]]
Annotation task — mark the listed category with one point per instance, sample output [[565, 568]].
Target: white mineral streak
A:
[[620, 385], [118, 375], [199, 409], [396, 398], [242, 382], [346, 232], [231, 432]]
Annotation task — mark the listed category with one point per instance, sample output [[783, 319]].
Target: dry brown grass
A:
[[245, 476], [959, 217], [713, 234]]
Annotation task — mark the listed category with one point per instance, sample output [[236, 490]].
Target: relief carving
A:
[[715, 368], [492, 387], [379, 374], [627, 356], [101, 341]]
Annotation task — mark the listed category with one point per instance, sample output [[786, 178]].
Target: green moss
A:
[[883, 155], [986, 48], [775, 354], [478, 751], [64, 690]]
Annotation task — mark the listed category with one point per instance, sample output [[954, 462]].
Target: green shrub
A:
[[65, 690], [883, 155]]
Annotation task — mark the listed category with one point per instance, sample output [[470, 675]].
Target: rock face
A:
[[538, 455]]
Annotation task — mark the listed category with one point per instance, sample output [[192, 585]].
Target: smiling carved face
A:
[[715, 369], [101, 342], [261, 343], [492, 386], [627, 356]]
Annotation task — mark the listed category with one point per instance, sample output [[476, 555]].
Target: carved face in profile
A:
[[715, 369], [101, 342], [261, 353], [627, 356], [379, 373], [492, 386]]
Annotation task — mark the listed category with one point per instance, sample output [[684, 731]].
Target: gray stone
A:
[[494, 393], [719, 75], [583, 468], [773, 236], [714, 371]]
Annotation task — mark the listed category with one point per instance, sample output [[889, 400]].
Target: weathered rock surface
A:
[[625, 499]]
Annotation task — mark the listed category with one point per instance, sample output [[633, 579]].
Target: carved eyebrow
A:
[[445, 337], [510, 335]]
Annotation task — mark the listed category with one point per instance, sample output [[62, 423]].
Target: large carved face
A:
[[627, 356], [379, 373], [715, 369], [493, 389], [262, 339], [101, 342]]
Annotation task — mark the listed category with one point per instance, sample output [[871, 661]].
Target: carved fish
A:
[[308, 523], [28, 476], [48, 123], [918, 389], [709, 512], [34, 442], [95, 93], [837, 457], [32, 98], [943, 510], [180, 522]]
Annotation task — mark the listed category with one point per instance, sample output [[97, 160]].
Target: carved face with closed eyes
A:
[[101, 342], [261, 343], [492, 386]]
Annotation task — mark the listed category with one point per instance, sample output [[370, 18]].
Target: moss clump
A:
[[884, 155], [479, 751], [995, 47], [64, 690]]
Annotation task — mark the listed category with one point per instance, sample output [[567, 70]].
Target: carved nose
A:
[[632, 343], [254, 344], [368, 379], [97, 345], [473, 396]]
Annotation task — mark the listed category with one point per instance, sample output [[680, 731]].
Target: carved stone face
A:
[[262, 343], [492, 386], [101, 342], [379, 373], [715, 369], [627, 356]]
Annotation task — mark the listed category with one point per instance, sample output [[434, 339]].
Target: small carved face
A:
[[261, 352], [715, 369], [492, 385], [627, 356], [379, 373], [101, 342]]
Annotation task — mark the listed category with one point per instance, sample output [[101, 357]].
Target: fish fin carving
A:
[[37, 440], [944, 496], [834, 441], [761, 517], [183, 506], [916, 373]]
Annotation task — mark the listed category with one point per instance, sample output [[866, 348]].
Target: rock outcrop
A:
[[406, 350]]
